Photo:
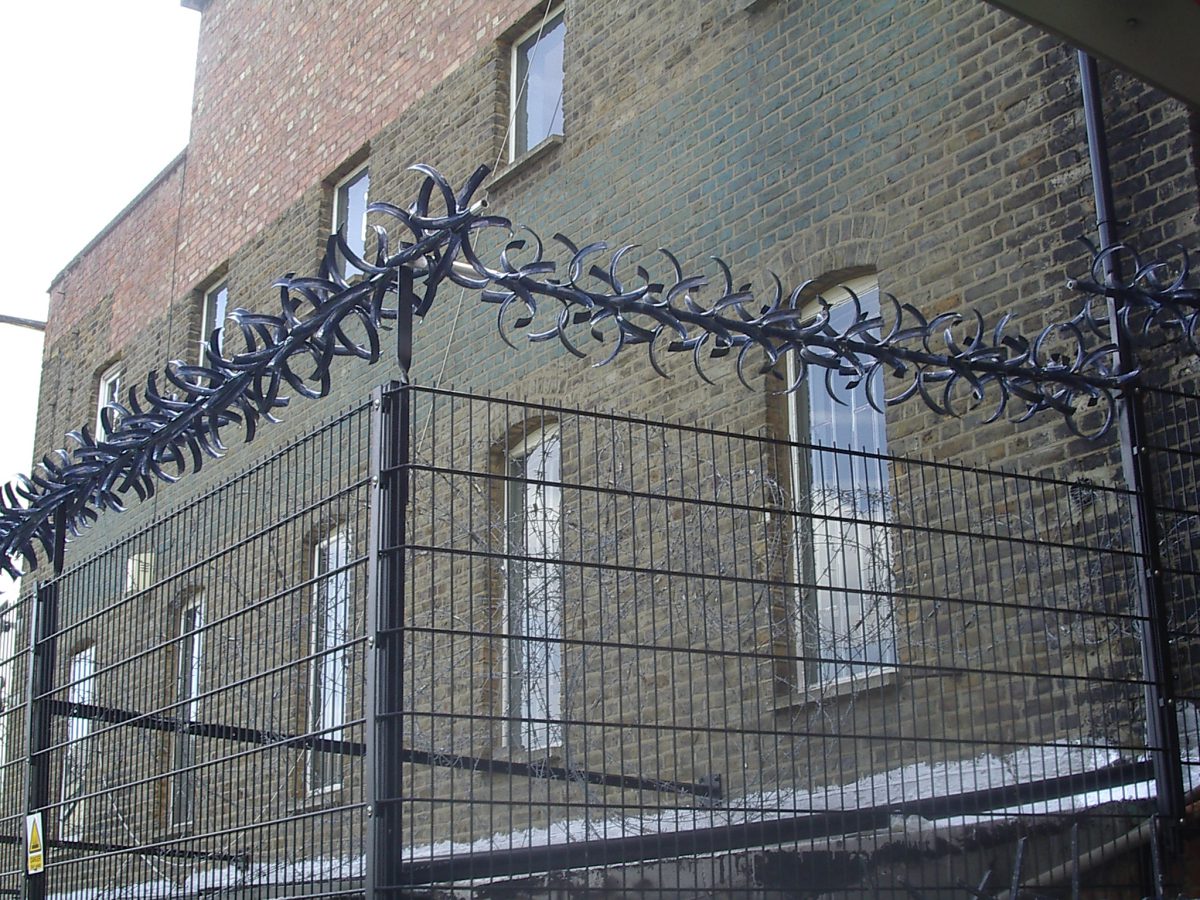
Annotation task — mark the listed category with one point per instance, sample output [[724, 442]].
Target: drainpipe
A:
[[1162, 730]]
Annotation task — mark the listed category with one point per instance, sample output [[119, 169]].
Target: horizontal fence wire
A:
[[206, 709], [697, 660]]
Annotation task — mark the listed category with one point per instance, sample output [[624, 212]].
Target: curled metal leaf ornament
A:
[[1157, 302], [180, 416]]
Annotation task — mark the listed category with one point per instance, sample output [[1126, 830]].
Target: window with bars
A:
[[844, 621], [139, 572]]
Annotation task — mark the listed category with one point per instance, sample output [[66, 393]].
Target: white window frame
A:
[[356, 239], [832, 546], [329, 684], [108, 391], [533, 658], [213, 313], [518, 93], [187, 688], [77, 754]]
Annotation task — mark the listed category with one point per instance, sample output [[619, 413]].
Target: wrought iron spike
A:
[[949, 361]]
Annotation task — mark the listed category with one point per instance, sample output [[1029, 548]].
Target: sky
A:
[[96, 99]]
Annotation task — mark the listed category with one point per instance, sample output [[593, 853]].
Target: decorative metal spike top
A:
[[949, 360]]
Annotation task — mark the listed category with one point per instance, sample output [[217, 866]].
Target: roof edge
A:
[[116, 220]]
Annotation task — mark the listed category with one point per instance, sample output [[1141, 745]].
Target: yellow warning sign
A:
[[35, 859]]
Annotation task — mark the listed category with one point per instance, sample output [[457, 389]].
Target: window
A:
[[350, 212], [330, 660], [216, 308], [139, 572], [78, 753], [534, 594], [844, 621], [108, 392], [536, 85], [187, 688]]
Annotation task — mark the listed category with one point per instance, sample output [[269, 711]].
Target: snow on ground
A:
[[917, 781]]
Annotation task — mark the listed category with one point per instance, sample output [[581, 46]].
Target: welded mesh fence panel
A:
[[670, 658], [1172, 421], [207, 703], [14, 673], [635, 655]]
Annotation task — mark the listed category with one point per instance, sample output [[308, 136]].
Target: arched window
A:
[[844, 622]]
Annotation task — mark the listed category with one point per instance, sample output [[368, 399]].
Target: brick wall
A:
[[937, 144]]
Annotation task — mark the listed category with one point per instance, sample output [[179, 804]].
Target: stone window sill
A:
[[526, 161], [837, 690], [322, 797], [546, 756]]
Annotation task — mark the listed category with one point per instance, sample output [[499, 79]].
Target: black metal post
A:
[[1162, 730], [390, 456], [43, 641]]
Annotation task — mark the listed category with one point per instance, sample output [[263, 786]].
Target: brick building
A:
[[924, 628]]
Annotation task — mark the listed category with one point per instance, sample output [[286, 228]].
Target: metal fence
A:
[[455, 643], [203, 691]]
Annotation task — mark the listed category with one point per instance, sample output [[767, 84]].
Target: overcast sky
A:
[[96, 100]]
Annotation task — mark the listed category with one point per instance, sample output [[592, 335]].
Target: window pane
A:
[[535, 596], [187, 687], [539, 85], [350, 211], [77, 756], [330, 630], [109, 392], [216, 308]]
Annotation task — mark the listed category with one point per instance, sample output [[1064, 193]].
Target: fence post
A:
[[390, 455], [1162, 729], [43, 641]]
